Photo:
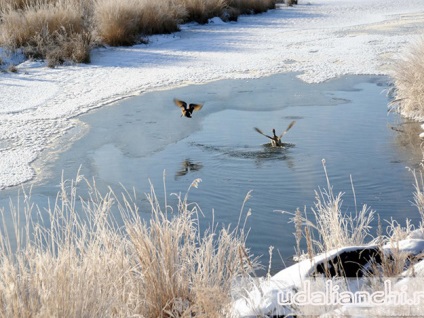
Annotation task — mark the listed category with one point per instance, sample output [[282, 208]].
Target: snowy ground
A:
[[320, 39], [301, 289]]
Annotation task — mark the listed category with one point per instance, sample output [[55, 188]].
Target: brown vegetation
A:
[[83, 263], [408, 77], [55, 31], [333, 227], [60, 30]]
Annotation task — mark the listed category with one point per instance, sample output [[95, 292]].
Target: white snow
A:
[[262, 297], [320, 39]]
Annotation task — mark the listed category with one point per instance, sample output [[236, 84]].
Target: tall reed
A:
[[333, 227], [81, 261], [43, 29], [66, 30], [202, 10], [408, 77], [124, 22]]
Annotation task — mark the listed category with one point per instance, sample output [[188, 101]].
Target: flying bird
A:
[[276, 140], [187, 109]]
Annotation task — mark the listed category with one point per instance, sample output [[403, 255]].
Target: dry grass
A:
[[409, 83], [335, 228], [161, 17], [391, 260], [80, 263], [124, 22], [419, 194], [202, 10], [117, 22], [61, 30], [55, 31]]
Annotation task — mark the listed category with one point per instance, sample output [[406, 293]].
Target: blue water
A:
[[343, 121]]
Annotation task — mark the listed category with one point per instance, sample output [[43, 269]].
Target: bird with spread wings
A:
[[187, 109], [276, 140]]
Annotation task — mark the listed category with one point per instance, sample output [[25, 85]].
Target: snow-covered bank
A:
[[318, 39], [341, 283]]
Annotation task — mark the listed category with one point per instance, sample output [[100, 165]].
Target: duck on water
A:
[[276, 140]]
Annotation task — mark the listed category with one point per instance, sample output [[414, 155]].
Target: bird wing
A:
[[288, 128], [180, 103], [260, 131], [195, 107]]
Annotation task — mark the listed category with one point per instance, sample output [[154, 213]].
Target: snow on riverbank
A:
[[320, 39], [341, 283]]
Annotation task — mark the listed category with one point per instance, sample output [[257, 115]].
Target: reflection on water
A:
[[188, 166], [344, 121], [265, 153], [407, 141]]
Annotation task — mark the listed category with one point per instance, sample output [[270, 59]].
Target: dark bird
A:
[[276, 140], [187, 110]]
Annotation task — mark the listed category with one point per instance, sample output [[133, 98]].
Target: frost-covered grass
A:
[[408, 77], [97, 255], [123, 22], [328, 226], [343, 253], [60, 30], [56, 31], [79, 262]]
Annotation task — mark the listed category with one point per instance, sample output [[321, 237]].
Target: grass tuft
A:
[[55, 31], [335, 229], [117, 22], [82, 262], [201, 11], [408, 77], [419, 194]]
